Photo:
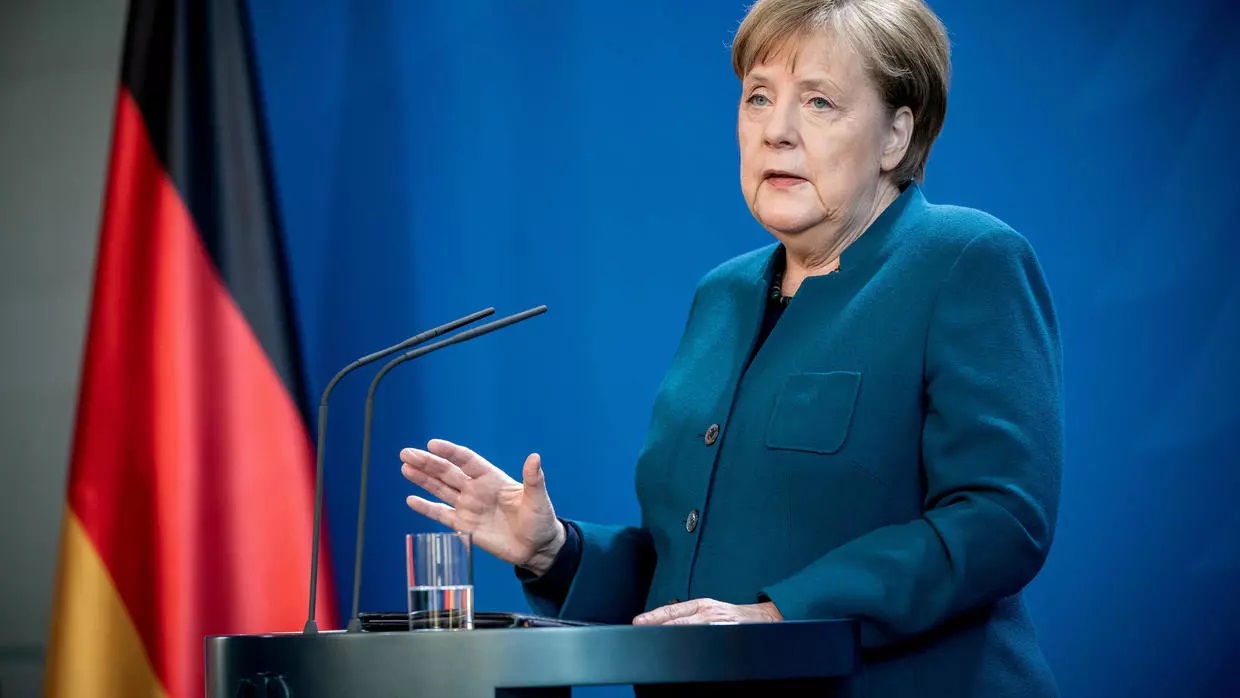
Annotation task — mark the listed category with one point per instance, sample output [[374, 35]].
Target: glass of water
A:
[[440, 571]]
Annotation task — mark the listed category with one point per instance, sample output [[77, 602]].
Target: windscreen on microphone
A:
[[462, 337], [312, 625], [412, 341], [354, 622]]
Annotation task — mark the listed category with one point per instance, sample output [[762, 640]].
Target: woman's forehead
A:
[[820, 52]]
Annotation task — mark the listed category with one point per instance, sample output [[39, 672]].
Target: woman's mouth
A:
[[782, 179]]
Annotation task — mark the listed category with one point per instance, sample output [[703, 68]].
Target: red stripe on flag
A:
[[192, 469]]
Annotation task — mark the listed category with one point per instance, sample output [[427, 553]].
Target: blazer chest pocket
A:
[[813, 411]]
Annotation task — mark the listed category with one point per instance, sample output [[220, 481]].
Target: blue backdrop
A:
[[436, 158]]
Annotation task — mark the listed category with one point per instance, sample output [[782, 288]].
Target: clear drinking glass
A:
[[440, 572]]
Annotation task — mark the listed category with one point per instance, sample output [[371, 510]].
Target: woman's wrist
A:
[[541, 560]]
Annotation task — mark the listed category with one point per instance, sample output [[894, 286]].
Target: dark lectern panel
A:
[[478, 663]]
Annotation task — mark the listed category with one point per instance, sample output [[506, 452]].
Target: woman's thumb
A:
[[532, 473]]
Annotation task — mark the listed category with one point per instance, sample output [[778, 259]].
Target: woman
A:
[[862, 420]]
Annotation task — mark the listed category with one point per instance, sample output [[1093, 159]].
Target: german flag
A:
[[190, 497]]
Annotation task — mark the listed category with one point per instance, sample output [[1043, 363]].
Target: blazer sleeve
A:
[[614, 565], [991, 457]]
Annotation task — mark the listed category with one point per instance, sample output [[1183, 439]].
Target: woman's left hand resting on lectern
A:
[[702, 611]]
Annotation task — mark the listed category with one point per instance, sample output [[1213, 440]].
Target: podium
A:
[[544, 662]]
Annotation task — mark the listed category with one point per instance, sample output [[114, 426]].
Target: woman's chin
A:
[[787, 223]]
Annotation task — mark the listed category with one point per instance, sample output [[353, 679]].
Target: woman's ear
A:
[[897, 139]]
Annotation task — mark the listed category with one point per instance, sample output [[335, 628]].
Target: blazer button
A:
[[712, 434], [692, 521]]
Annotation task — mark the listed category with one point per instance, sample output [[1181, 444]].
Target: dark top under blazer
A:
[[892, 453]]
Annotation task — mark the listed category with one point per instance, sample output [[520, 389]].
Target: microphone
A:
[[355, 623], [312, 625]]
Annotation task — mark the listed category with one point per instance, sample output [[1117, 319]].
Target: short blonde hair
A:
[[902, 42]]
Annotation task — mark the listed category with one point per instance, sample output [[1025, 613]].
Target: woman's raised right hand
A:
[[512, 520]]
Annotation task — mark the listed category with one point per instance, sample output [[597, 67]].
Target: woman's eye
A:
[[759, 100], [820, 103]]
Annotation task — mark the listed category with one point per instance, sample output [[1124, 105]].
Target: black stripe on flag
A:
[[189, 66]]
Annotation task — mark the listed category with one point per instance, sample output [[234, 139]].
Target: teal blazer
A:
[[891, 453]]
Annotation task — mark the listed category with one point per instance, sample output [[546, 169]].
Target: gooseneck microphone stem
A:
[[312, 625], [355, 623]]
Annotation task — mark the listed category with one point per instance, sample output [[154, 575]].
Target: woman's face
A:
[[815, 139]]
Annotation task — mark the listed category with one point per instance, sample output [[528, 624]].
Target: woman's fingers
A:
[[430, 484], [435, 466], [469, 462], [671, 614], [442, 513]]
